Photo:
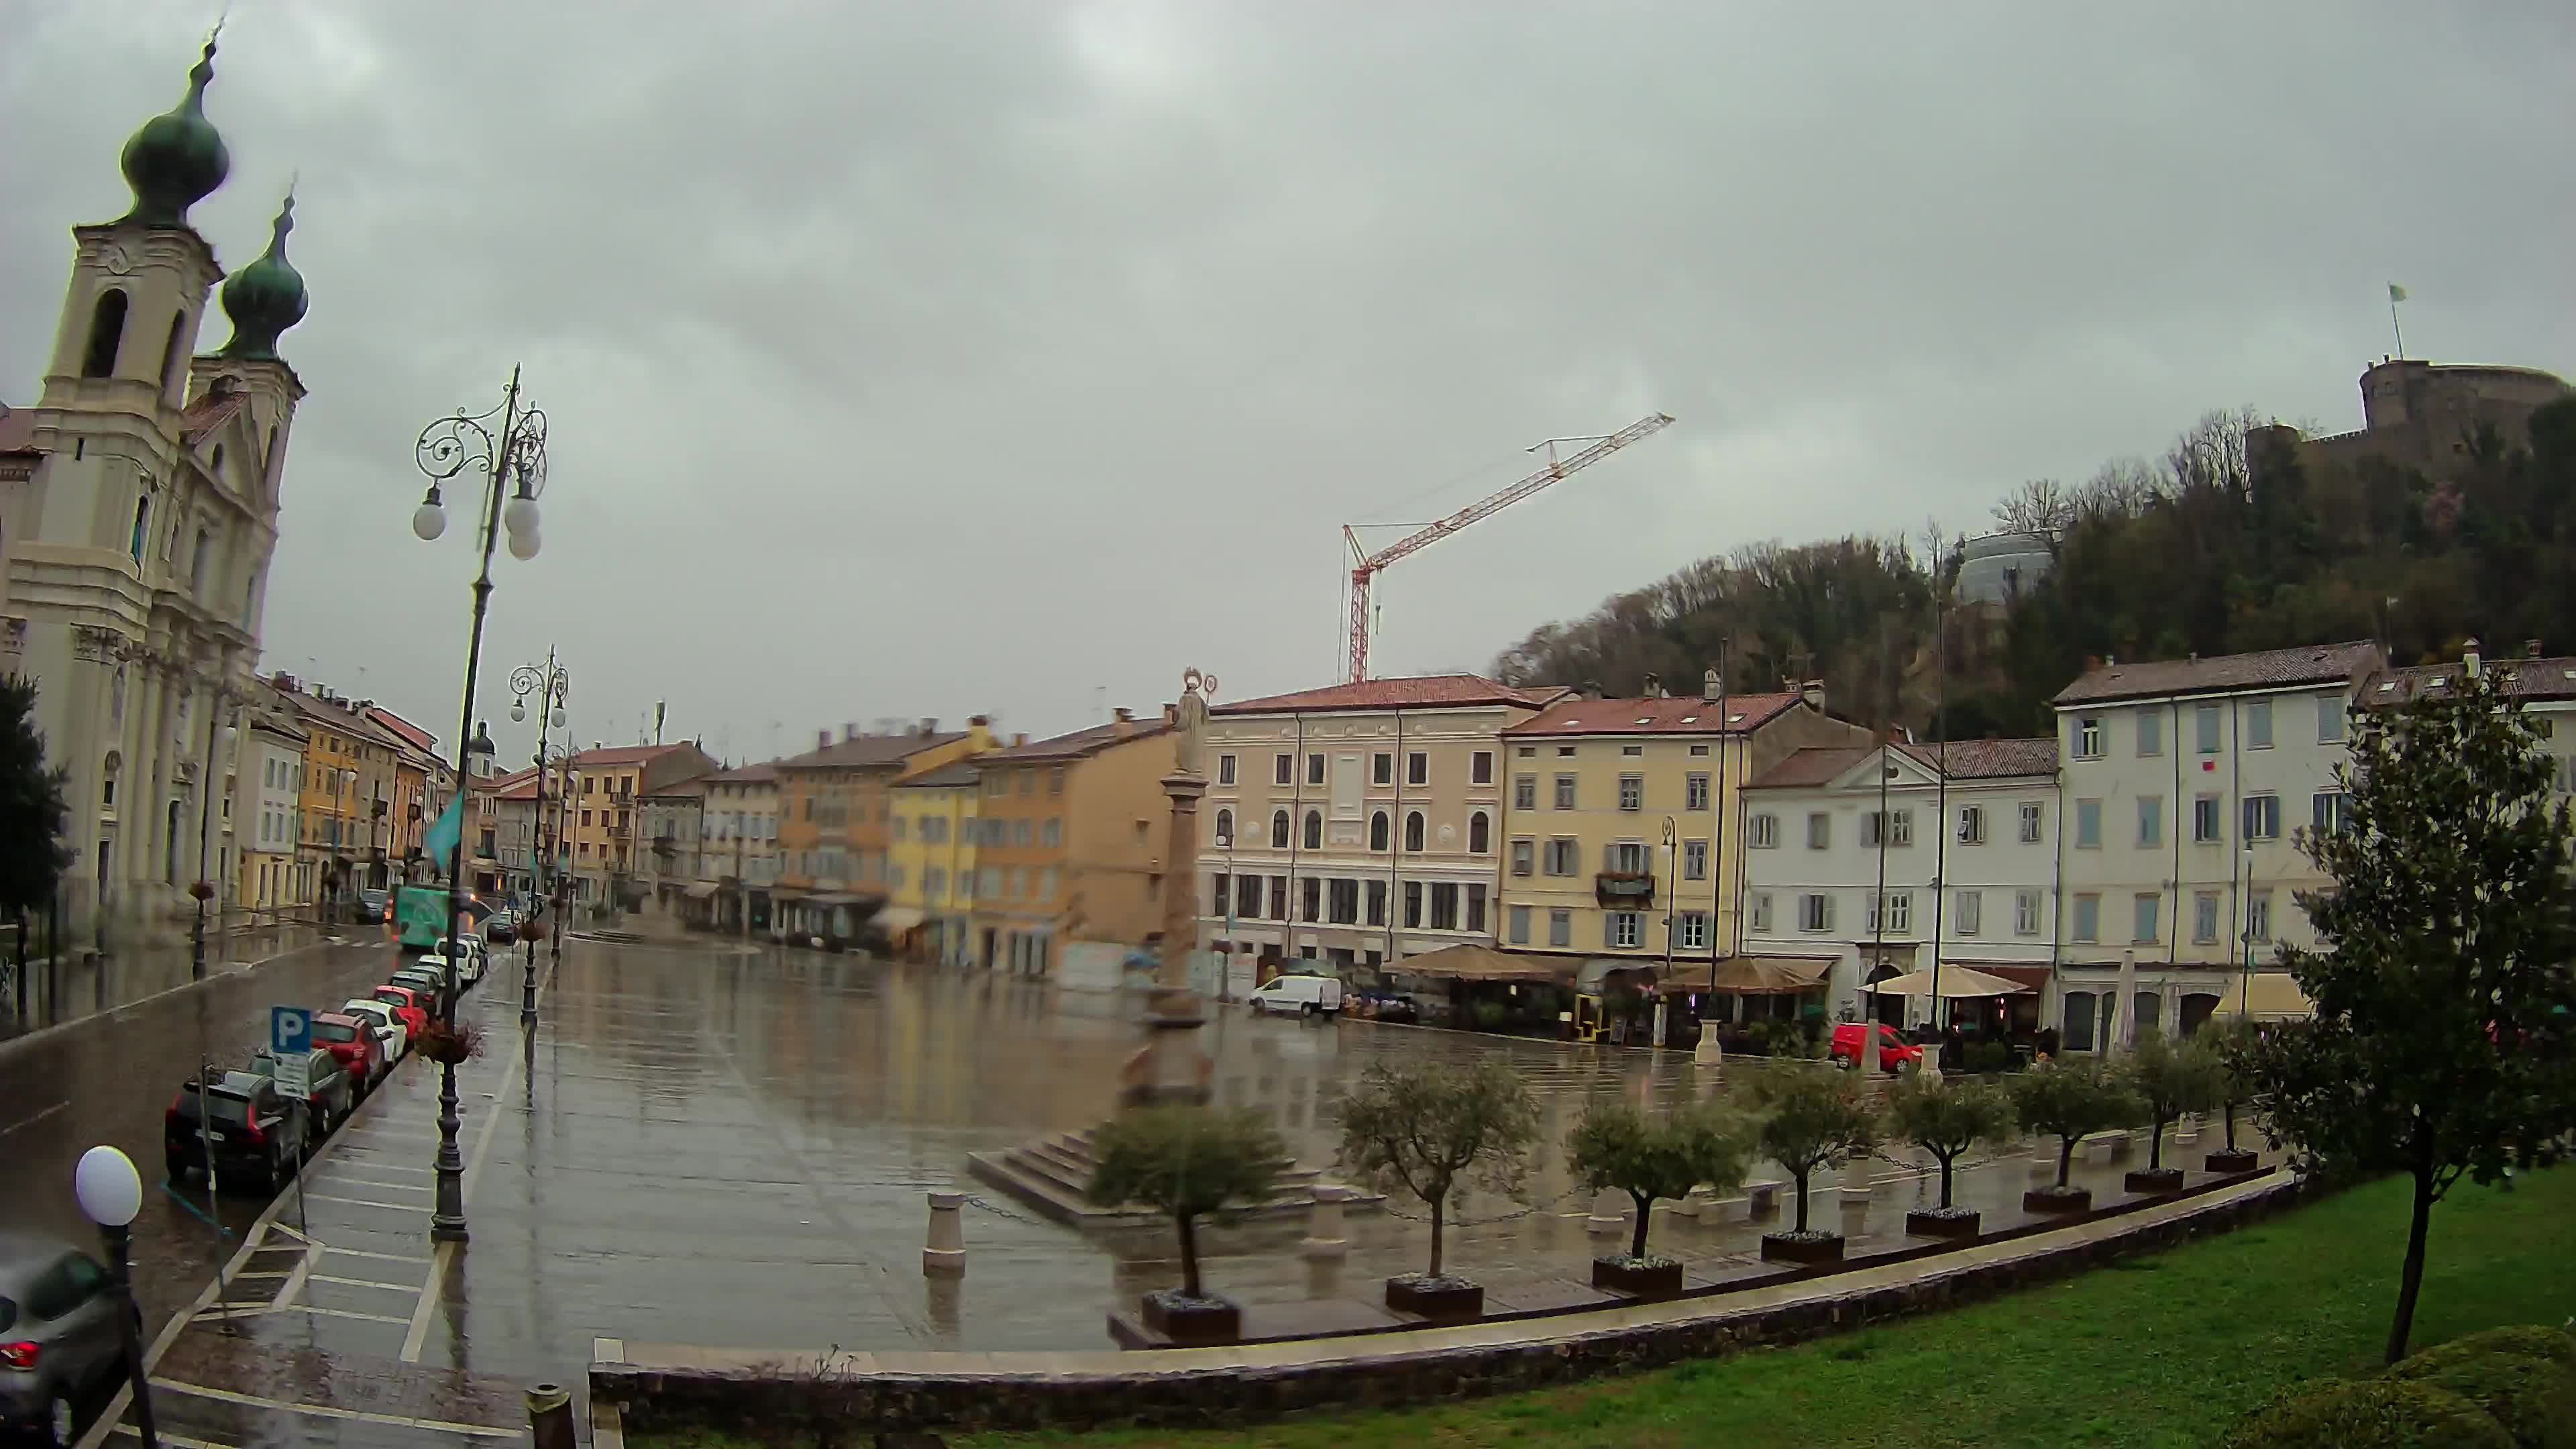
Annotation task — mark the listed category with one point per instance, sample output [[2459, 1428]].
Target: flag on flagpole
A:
[[2396, 293], [446, 834]]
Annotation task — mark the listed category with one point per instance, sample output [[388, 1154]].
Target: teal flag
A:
[[446, 834]]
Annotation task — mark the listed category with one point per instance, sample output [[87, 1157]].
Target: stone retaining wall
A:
[[680, 1388]]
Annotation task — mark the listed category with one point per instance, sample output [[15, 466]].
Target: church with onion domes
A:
[[139, 503]]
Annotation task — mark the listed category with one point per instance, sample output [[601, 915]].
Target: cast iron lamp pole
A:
[[550, 685], [111, 1193], [515, 456]]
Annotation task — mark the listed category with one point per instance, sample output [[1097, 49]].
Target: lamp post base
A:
[[447, 1219]]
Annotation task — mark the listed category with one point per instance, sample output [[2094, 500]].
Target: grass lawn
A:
[[2156, 1351]]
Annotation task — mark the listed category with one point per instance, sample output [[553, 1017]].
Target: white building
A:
[[2544, 686], [1977, 892], [266, 820], [137, 548], [1358, 823], [2184, 783], [738, 856]]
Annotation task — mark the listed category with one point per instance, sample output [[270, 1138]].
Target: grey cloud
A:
[[923, 359]]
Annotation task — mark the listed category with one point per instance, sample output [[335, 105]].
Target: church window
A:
[[215, 465], [106, 330], [142, 520], [198, 560], [107, 789], [173, 351]]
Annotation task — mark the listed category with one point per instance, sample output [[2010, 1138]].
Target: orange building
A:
[[835, 821], [1069, 843], [599, 819]]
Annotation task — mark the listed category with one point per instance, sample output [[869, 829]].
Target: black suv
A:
[[330, 1100], [253, 1131]]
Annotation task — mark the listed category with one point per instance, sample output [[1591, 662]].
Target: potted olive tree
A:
[[1616, 1147], [1421, 1127], [1812, 1121], [1186, 1162], [2071, 1103], [2171, 1078], [1946, 1120], [2231, 1042]]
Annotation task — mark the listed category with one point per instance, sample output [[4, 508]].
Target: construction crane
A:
[[1365, 565]]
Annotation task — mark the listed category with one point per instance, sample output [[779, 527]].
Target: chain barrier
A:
[[1002, 1212], [1537, 1207]]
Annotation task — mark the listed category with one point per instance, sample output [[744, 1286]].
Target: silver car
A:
[[60, 1344]]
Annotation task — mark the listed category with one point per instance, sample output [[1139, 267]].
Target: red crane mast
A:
[[1365, 565]]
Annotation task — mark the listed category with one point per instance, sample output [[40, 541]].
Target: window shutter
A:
[[1609, 857]]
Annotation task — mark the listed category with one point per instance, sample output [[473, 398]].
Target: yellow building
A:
[[1624, 814], [930, 851], [346, 790]]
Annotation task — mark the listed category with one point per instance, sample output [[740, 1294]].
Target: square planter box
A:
[[1193, 1322], [1654, 1278], [2150, 1181], [1935, 1223], [2240, 1160], [1794, 1248], [2054, 1201], [1445, 1300]]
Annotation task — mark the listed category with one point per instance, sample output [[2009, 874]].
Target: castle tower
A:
[[137, 553]]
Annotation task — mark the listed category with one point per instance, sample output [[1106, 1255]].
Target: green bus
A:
[[420, 915]]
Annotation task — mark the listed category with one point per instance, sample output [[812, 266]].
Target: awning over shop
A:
[[1594, 975], [900, 918], [2034, 977], [1770, 975], [2276, 998], [702, 890], [1957, 982], [1483, 963]]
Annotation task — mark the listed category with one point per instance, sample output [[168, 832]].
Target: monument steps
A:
[[1049, 1174]]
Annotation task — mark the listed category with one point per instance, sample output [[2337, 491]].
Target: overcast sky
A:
[[930, 359]]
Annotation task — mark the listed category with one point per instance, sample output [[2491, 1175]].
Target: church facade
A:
[[139, 531]]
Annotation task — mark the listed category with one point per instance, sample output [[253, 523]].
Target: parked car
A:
[[373, 903], [355, 1046], [380, 1015], [1303, 995], [252, 1135], [469, 965], [1893, 1049], [429, 983], [330, 1094], [411, 1005], [1391, 1006], [60, 1342]]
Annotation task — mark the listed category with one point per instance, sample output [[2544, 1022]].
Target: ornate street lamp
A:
[[552, 686], [513, 463]]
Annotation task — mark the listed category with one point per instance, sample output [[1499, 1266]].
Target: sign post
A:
[[290, 1049]]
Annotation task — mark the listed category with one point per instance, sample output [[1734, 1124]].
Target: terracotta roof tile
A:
[[1989, 759], [868, 750], [763, 773], [210, 412], [1075, 745], [1426, 691], [622, 755], [1685, 715], [946, 777], [1810, 767], [2265, 669], [2528, 679]]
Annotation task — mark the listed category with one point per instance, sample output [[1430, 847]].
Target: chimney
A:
[[2469, 658], [1019, 739], [2530, 648], [1171, 716], [1654, 686], [1122, 722], [1708, 685], [1813, 692], [2092, 663], [849, 729], [823, 738], [930, 724], [979, 721], [2110, 661]]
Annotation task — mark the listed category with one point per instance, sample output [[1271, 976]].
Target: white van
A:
[[1303, 995]]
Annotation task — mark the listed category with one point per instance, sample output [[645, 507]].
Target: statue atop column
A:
[[1189, 738]]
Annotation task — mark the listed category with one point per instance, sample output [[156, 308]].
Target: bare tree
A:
[[2041, 507]]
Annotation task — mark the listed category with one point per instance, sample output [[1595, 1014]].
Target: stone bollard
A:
[[1324, 1237], [2187, 1131], [1857, 1174], [946, 1252], [1609, 1214], [550, 1417], [1708, 1053]]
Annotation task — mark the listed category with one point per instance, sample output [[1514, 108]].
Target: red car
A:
[[409, 1009], [1892, 1048], [353, 1046]]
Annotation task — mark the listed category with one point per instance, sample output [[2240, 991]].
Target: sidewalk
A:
[[89, 984]]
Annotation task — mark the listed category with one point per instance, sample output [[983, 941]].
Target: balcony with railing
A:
[[1624, 890]]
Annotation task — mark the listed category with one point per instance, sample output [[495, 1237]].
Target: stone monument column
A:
[[1170, 1067]]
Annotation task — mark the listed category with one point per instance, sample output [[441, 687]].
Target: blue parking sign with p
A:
[[290, 1030]]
